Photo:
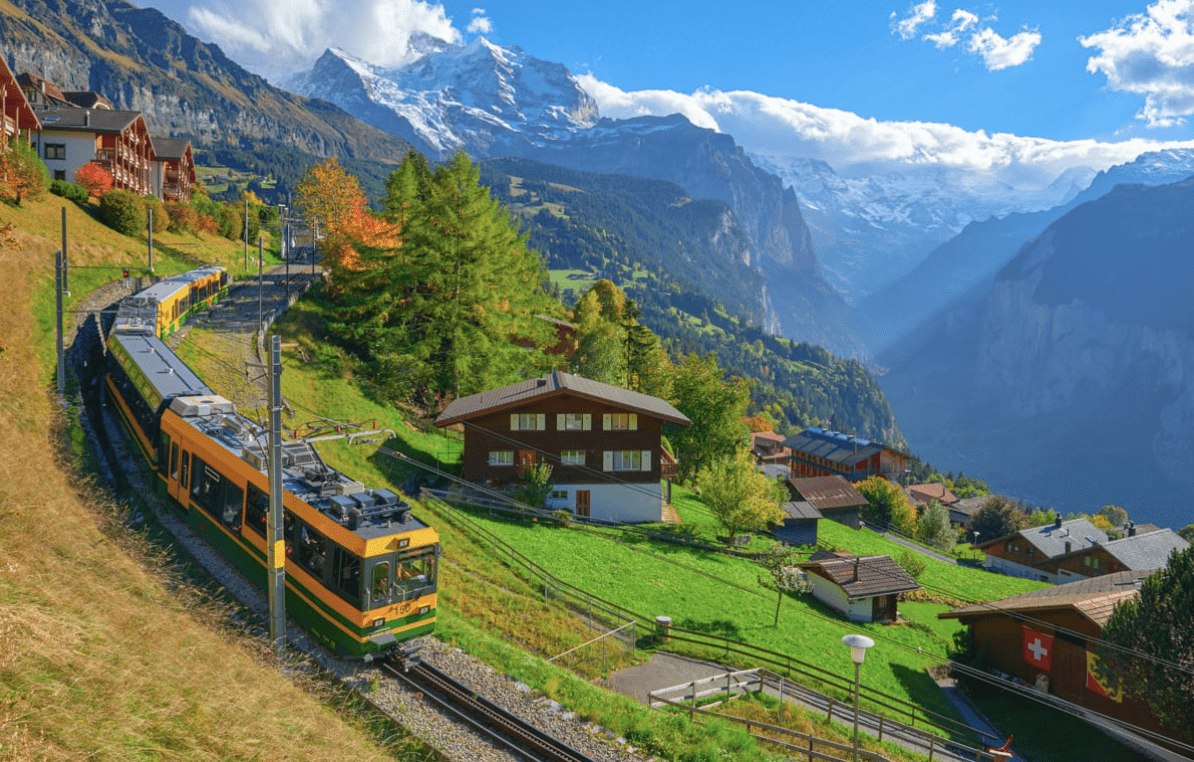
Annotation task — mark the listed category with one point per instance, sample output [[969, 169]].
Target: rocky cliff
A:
[[143, 61], [1074, 375]]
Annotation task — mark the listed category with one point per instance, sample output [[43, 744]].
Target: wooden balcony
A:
[[667, 465]]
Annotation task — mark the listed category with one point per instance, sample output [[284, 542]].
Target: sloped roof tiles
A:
[[1146, 551], [864, 576], [1094, 597], [554, 384], [828, 493]]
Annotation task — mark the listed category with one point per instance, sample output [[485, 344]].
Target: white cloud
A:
[[275, 39], [480, 24], [947, 38], [1152, 54], [854, 145], [996, 51], [920, 14], [999, 53]]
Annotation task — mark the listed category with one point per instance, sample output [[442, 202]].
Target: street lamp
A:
[[858, 646], [976, 533]]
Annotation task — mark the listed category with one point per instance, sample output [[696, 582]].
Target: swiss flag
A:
[[1038, 648]]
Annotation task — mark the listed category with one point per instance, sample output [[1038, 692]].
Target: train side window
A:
[[257, 510], [186, 469], [174, 461], [346, 574], [162, 453], [234, 502], [381, 583], [197, 480], [210, 489], [312, 551]]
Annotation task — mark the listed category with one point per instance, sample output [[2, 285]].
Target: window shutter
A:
[[587, 422], [514, 422], [541, 422], [646, 460], [607, 460], [559, 421], [634, 421], [607, 421]]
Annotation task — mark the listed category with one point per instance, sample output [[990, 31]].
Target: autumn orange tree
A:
[[94, 179], [330, 197], [22, 173]]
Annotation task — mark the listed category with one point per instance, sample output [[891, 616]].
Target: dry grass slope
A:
[[101, 655]]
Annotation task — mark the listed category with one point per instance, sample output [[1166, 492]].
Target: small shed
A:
[[800, 523], [861, 588], [834, 496]]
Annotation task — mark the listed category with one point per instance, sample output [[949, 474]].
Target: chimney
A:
[[1131, 529], [1057, 522], [542, 381], [855, 568], [1068, 546], [87, 117]]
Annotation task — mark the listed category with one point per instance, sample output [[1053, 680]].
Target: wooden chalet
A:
[[19, 116], [118, 141], [832, 496], [44, 95], [1136, 552], [173, 169], [603, 443], [860, 588], [1048, 639], [1021, 554], [920, 495], [820, 452]]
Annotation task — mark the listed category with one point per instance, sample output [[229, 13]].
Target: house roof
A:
[[97, 120], [1051, 538], [924, 493], [86, 99], [44, 86], [558, 383], [25, 115], [1146, 551], [970, 505], [799, 509], [170, 149], [844, 449], [864, 576], [1094, 598], [828, 493], [767, 435]]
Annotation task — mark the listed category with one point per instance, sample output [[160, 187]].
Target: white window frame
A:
[[619, 421], [574, 421], [528, 422], [501, 457], [626, 460], [572, 458]]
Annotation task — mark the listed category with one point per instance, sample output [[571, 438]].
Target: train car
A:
[[164, 306], [361, 570]]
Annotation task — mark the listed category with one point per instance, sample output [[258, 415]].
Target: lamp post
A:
[[976, 533], [858, 646]]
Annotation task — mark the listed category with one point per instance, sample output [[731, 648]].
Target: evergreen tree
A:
[[934, 528], [716, 407]]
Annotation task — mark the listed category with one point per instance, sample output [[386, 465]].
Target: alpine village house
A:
[[604, 443]]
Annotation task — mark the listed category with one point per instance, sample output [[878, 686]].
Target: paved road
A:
[[918, 548]]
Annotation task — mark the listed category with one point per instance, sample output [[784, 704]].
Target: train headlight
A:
[[379, 622], [424, 609]]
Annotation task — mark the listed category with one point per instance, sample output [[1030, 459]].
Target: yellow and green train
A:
[[360, 569], [167, 304]]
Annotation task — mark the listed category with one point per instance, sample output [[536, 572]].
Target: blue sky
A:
[[1089, 83]]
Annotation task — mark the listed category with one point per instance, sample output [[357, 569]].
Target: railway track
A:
[[503, 729]]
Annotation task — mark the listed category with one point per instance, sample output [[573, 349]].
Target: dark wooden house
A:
[[820, 452], [833, 496], [602, 442]]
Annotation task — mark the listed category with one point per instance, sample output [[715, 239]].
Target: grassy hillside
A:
[[106, 651]]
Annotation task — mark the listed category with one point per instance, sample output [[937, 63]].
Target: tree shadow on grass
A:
[[720, 627]]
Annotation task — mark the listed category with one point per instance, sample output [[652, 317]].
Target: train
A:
[[360, 568], [168, 303]]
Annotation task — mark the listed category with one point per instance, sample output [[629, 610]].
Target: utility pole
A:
[[246, 235], [276, 540], [59, 269], [150, 230], [65, 265], [260, 279]]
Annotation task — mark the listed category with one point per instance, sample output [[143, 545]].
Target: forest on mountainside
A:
[[675, 258]]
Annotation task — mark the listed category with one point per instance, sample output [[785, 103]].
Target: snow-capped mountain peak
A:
[[451, 97]]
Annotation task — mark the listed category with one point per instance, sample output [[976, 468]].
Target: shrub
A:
[[94, 179], [161, 218], [183, 218], [912, 563], [22, 172], [232, 224], [122, 211], [69, 191]]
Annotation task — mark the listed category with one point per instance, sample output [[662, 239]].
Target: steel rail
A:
[[505, 729]]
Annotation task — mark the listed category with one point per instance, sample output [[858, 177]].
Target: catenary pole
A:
[[277, 542]]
